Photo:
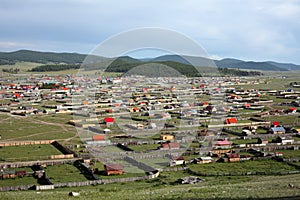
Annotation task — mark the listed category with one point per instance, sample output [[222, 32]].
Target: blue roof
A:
[[278, 129]]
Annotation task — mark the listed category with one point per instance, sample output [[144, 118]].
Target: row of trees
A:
[[59, 67], [11, 70], [237, 72]]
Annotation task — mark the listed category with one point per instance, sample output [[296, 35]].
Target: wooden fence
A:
[[21, 143], [41, 162], [79, 184]]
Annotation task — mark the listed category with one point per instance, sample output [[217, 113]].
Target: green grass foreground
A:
[[165, 187]]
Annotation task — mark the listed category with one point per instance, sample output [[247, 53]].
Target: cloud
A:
[[232, 28]]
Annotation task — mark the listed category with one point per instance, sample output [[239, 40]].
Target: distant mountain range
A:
[[230, 63], [76, 58]]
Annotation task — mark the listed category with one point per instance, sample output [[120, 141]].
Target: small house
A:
[[262, 141], [113, 169], [233, 157], [169, 146], [277, 130], [6, 175], [100, 137], [232, 120], [203, 160], [177, 161], [292, 110], [109, 121], [284, 140], [223, 144], [166, 137]]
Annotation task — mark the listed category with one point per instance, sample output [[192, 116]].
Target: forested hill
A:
[[11, 58], [40, 57]]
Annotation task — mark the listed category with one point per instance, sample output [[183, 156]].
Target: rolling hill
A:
[[230, 63], [126, 62]]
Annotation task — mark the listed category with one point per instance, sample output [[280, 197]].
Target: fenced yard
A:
[[27, 153]]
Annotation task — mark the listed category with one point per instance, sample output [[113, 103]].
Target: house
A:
[[245, 157], [222, 144], [262, 141], [135, 109], [207, 132], [232, 120], [169, 146], [292, 110], [166, 137], [233, 157], [6, 175], [100, 137], [203, 160], [246, 132], [109, 121], [230, 157], [210, 109], [177, 161], [247, 105], [113, 169], [284, 140], [278, 154], [277, 130]]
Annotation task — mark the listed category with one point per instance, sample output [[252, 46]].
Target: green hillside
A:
[[40, 57]]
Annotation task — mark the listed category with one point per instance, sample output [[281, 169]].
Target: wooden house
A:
[[111, 169], [233, 157], [167, 137], [262, 141], [222, 144], [169, 145], [177, 161], [203, 160], [284, 140]]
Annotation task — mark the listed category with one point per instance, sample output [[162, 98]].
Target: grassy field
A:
[[248, 141], [291, 153], [23, 66], [165, 187], [282, 119], [64, 173], [27, 153], [34, 128], [144, 147], [26, 180], [242, 167]]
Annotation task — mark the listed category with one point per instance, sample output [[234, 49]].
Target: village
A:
[[121, 129]]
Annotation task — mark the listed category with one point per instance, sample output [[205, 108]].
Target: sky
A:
[[257, 30]]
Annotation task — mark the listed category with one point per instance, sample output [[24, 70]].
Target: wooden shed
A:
[[113, 169]]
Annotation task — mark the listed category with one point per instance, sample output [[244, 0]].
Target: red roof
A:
[[276, 123], [98, 137], [113, 167], [109, 119], [231, 120], [247, 105], [223, 142], [171, 145], [292, 109], [178, 158], [233, 155]]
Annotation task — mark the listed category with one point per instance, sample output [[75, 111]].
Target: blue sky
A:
[[245, 29]]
